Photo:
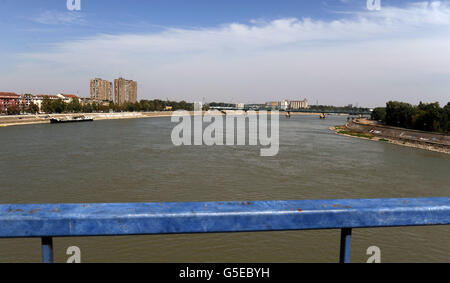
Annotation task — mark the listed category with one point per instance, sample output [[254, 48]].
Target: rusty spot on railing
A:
[[33, 211]]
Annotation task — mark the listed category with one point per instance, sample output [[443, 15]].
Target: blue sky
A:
[[195, 49], [29, 23]]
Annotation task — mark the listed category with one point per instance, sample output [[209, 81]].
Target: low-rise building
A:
[[38, 99], [85, 101], [240, 106], [273, 105], [67, 98], [8, 99], [255, 106], [25, 101], [284, 105], [300, 104], [198, 106]]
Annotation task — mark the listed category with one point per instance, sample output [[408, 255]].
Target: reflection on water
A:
[[135, 161]]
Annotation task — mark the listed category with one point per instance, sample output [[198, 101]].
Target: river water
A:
[[135, 161]]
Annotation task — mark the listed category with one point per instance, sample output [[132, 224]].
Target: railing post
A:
[[346, 242], [47, 250]]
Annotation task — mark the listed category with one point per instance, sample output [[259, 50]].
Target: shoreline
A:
[[10, 121], [346, 131], [22, 120]]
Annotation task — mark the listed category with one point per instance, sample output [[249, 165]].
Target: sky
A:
[[334, 52]]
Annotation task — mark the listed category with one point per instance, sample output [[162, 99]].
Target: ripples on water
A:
[[134, 161]]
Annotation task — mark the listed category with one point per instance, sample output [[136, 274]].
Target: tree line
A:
[[58, 106], [330, 108], [425, 116], [17, 109]]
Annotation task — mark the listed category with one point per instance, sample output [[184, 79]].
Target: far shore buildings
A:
[[284, 105], [297, 105], [10, 99], [198, 106], [288, 105], [101, 90], [274, 105], [125, 91], [240, 106], [67, 98]]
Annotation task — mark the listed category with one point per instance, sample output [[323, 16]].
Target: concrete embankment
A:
[[6, 121], [18, 120], [411, 138]]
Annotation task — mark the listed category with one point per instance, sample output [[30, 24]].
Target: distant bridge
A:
[[349, 112]]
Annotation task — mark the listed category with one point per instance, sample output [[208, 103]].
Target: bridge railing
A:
[[47, 221]]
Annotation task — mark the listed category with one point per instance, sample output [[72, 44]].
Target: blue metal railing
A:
[[75, 220]]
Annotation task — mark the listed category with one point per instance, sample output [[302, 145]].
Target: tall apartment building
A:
[[101, 90], [125, 91]]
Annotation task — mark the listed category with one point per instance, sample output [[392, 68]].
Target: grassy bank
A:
[[344, 131]]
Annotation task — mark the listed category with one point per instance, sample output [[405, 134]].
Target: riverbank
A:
[[410, 138], [8, 121], [20, 120]]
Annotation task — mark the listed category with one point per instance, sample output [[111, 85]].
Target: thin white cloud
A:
[[396, 53], [59, 18], [416, 15]]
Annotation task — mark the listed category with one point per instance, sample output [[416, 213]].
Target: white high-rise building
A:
[[284, 105], [198, 106], [240, 106]]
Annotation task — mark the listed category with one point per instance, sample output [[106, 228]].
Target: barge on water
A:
[[71, 120]]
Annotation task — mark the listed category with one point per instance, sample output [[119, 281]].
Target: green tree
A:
[[14, 109], [47, 105], [112, 106], [33, 108], [74, 106], [95, 107], [446, 118], [129, 107], [118, 108], [425, 116], [87, 108], [137, 107], [399, 114], [59, 106], [379, 114], [428, 117]]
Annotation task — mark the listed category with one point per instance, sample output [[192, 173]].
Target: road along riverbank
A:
[[411, 138]]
